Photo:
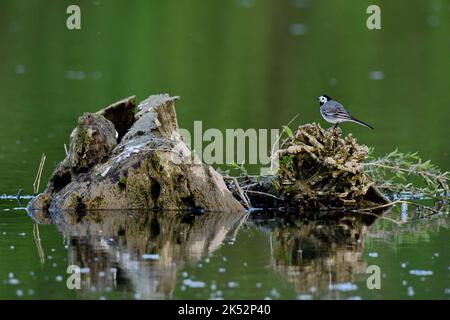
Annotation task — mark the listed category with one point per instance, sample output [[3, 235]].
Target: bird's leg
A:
[[335, 125]]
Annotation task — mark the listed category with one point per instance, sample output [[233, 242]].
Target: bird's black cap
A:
[[326, 96]]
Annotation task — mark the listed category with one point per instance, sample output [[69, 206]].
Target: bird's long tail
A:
[[361, 122]]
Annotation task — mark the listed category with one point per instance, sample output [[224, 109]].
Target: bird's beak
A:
[[318, 98]]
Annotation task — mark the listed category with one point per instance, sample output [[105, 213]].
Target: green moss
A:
[[82, 139], [157, 163], [123, 180], [96, 203], [138, 188], [73, 200], [46, 201], [122, 183]]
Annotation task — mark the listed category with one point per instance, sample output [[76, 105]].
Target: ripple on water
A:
[[376, 75], [298, 29], [421, 272], [20, 69], [193, 284], [85, 270], [343, 287]]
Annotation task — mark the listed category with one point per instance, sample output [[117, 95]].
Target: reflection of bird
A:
[[334, 112]]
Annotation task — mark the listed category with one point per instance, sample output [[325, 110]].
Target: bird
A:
[[334, 112]]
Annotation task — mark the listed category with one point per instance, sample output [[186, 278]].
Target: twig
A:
[[38, 241], [18, 196], [263, 193], [240, 192], [37, 180], [249, 185], [395, 166], [381, 206], [241, 222], [434, 211], [65, 149], [380, 217], [243, 195]]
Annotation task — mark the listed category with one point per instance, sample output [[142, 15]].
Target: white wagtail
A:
[[334, 112]]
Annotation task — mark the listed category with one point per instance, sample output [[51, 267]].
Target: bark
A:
[[121, 160]]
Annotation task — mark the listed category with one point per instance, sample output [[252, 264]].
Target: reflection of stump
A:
[[316, 254], [319, 168], [111, 247]]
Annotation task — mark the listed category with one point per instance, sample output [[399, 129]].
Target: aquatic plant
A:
[[407, 176]]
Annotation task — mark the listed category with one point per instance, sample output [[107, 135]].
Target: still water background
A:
[[235, 64]]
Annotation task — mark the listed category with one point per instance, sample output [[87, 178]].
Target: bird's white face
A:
[[323, 99]]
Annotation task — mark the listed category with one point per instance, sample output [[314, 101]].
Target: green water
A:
[[235, 64]]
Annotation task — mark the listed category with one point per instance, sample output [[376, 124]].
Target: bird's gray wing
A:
[[333, 108]]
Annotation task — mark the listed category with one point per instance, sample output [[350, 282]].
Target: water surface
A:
[[215, 255], [235, 64]]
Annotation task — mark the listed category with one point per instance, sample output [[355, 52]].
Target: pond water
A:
[[235, 64], [176, 255]]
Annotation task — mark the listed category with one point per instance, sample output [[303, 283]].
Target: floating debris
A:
[[193, 284], [421, 272], [20, 69], [14, 197], [298, 29], [343, 287], [433, 20]]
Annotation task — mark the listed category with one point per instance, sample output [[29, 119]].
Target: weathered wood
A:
[[119, 159], [141, 170], [318, 169]]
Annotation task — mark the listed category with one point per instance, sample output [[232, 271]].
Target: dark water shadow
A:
[[137, 254]]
